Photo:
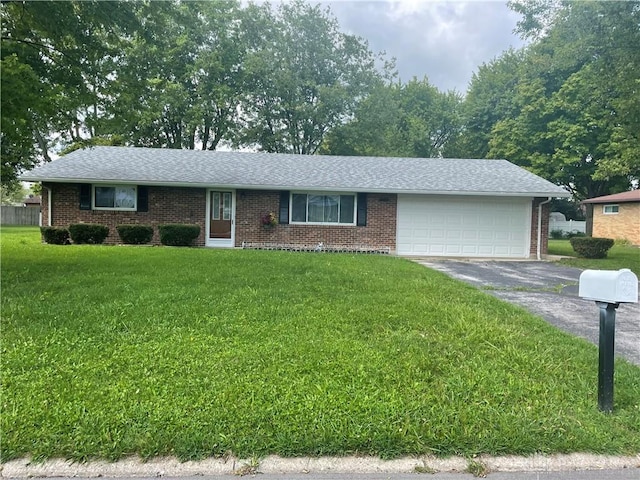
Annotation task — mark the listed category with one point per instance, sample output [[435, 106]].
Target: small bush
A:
[[88, 233], [178, 235], [556, 234], [135, 234], [575, 234], [591, 247], [55, 235], [622, 242]]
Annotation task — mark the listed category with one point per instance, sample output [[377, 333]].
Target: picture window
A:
[[114, 197], [323, 208]]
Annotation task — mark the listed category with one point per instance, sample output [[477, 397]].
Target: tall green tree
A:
[[21, 117], [13, 194], [305, 77], [576, 120], [52, 54], [489, 99], [179, 81], [406, 120]]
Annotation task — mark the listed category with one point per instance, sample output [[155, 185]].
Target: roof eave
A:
[[297, 187], [599, 202]]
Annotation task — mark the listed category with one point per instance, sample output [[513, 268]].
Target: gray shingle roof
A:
[[157, 166]]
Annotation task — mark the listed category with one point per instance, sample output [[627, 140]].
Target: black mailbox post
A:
[[609, 288], [606, 355]]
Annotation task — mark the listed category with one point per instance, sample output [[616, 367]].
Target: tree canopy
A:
[[566, 107], [202, 74], [176, 75], [52, 60], [304, 77], [179, 80], [402, 120]]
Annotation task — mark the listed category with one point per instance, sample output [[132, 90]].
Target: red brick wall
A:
[[188, 205], [166, 205], [379, 232], [44, 206], [544, 227]]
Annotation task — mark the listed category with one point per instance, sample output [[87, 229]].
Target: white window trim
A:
[[333, 224], [604, 209], [118, 209]]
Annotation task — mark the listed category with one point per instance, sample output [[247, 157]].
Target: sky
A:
[[446, 41]]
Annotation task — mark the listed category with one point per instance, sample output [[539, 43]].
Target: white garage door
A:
[[463, 226]]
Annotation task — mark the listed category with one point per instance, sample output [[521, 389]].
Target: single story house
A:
[[615, 216], [407, 206], [32, 201]]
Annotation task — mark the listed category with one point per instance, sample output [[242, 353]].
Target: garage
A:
[[462, 226]]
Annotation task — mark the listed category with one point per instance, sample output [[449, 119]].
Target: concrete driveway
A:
[[551, 291]]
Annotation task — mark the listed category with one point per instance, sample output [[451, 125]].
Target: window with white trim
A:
[[325, 208], [610, 209], [115, 197]]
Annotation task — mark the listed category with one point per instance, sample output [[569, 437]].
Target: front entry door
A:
[[221, 218]]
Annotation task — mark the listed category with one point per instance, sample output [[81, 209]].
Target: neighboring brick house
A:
[[615, 216], [408, 206]]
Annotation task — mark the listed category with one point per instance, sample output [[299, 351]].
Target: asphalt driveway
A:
[[551, 291]]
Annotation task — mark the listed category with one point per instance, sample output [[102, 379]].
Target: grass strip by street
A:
[[113, 351], [620, 256]]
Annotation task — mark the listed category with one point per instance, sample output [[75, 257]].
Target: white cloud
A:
[[403, 8], [443, 40]]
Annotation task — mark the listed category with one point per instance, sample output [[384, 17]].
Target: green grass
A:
[[620, 256], [112, 351]]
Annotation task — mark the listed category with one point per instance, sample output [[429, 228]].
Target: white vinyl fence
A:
[[567, 226]]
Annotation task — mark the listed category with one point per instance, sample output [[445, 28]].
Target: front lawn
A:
[[111, 351], [620, 256]]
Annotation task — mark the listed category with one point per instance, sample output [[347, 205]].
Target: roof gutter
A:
[[300, 188], [538, 247]]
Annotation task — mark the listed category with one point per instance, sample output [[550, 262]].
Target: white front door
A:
[[221, 213]]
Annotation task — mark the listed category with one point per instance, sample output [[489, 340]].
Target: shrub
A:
[[622, 242], [55, 235], [178, 235], [575, 234], [88, 233], [556, 234], [591, 247], [135, 234]]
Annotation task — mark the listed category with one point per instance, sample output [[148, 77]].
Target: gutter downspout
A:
[[49, 205], [538, 248]]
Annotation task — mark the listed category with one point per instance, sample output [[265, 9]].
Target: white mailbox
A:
[[610, 286]]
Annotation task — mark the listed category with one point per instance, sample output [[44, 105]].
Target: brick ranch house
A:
[[406, 206], [615, 216]]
